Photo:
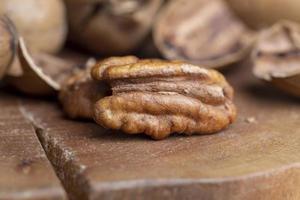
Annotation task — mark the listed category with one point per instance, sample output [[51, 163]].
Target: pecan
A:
[[80, 92], [276, 56], [158, 98]]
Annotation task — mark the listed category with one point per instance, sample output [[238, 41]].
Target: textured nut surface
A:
[[276, 56], [80, 92], [202, 32], [158, 98], [264, 13], [42, 23], [8, 43], [111, 27]]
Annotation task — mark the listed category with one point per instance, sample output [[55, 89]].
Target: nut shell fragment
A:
[[158, 98], [41, 74], [276, 56], [111, 27], [202, 32]]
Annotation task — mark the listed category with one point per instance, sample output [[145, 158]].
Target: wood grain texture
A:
[[258, 157], [25, 172]]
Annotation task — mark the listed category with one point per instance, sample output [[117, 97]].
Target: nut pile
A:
[[177, 90]]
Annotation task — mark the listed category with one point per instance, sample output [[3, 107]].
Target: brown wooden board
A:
[[258, 157], [25, 172]]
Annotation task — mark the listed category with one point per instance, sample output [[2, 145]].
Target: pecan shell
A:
[[158, 98]]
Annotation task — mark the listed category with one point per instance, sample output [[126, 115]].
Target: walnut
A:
[[264, 13], [159, 97], [80, 92], [202, 32], [42, 23], [111, 27], [276, 57]]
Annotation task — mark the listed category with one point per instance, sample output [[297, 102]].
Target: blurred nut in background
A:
[[8, 43], [276, 56], [262, 13], [110, 27], [41, 22], [202, 32]]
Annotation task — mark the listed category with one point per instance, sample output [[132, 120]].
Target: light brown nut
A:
[[80, 92], [276, 57], [43, 23], [264, 13], [111, 27], [158, 98], [40, 74], [8, 44], [203, 32]]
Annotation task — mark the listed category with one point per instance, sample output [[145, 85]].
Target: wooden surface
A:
[[258, 157], [25, 172]]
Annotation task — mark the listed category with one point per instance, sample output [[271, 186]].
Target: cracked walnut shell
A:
[[276, 57], [203, 32], [159, 97]]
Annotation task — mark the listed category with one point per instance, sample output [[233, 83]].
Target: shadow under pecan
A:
[[158, 98]]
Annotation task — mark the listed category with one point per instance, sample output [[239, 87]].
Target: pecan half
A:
[[158, 98], [80, 92]]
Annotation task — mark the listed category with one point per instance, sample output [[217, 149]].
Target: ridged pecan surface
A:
[[158, 98]]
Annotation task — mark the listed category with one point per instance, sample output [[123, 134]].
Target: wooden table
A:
[[258, 157]]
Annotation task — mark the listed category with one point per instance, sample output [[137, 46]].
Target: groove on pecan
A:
[[158, 98]]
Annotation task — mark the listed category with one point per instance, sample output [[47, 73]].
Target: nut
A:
[[80, 92], [203, 32], [41, 74], [276, 57], [158, 98], [38, 22], [8, 43], [264, 13], [110, 26]]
